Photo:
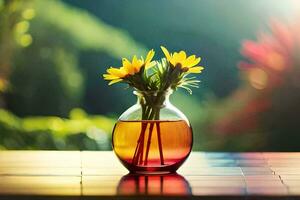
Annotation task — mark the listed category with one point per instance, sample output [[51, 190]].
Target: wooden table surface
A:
[[99, 175]]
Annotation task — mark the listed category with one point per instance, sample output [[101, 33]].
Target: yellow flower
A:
[[128, 68], [187, 64]]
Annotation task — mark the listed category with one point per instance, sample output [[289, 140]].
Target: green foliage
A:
[[165, 76], [13, 32], [50, 84], [46, 78], [86, 31], [78, 132]]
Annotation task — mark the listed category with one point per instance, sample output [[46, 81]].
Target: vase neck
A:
[[153, 99]]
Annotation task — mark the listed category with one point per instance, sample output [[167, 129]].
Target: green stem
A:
[[139, 150], [148, 143], [136, 155], [150, 111], [161, 156]]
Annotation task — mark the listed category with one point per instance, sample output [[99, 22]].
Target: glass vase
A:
[[152, 136]]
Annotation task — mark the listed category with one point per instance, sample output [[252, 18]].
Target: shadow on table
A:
[[167, 184]]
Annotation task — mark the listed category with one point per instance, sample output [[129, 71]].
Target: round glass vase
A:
[[152, 136]]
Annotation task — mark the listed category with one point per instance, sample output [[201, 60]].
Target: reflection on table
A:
[[169, 184]]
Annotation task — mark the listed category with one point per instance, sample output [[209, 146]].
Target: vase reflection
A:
[[167, 184]]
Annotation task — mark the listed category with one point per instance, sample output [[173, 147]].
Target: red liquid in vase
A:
[[152, 146]]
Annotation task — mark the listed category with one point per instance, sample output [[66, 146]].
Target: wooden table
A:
[[99, 175]]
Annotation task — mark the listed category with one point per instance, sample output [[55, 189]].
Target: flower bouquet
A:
[[153, 135]]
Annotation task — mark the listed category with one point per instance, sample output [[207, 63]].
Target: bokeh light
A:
[[258, 78]]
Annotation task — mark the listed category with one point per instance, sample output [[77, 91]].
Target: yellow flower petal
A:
[[128, 66], [188, 61], [195, 62], [136, 64], [175, 58], [196, 69], [114, 81], [125, 62], [166, 52], [134, 60], [182, 55], [149, 65], [117, 72], [149, 56], [110, 77]]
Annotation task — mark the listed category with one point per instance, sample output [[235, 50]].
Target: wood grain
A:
[[93, 175]]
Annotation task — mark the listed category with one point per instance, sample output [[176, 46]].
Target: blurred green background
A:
[[53, 53]]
